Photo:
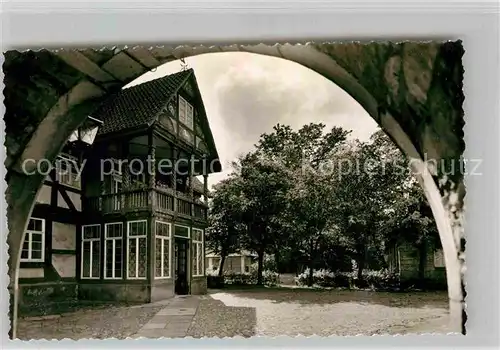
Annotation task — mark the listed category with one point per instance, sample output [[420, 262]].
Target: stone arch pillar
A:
[[24, 181], [449, 229], [74, 106]]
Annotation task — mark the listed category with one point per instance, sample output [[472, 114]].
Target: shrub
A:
[[342, 280], [235, 278], [213, 279], [212, 272], [382, 279], [269, 263], [270, 278], [301, 280], [215, 282], [323, 278]]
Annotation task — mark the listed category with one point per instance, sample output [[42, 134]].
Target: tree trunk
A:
[[277, 259], [260, 267], [310, 278], [361, 261], [361, 267], [221, 265]]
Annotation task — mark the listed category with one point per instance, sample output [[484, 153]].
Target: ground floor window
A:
[[197, 252], [162, 250], [137, 249], [91, 251], [113, 250], [34, 241]]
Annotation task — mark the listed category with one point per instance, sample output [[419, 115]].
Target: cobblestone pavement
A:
[[111, 322], [294, 312], [259, 312]]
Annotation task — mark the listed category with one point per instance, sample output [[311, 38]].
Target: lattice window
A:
[[34, 241], [186, 113], [197, 252], [163, 250], [137, 249], [91, 251], [67, 172], [113, 250]]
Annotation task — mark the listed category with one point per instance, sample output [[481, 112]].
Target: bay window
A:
[[197, 252], [91, 251], [137, 249], [163, 250], [113, 250]]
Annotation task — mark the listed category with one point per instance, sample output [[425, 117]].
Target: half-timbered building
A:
[[131, 227]]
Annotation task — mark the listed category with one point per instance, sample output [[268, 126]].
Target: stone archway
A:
[[412, 90]]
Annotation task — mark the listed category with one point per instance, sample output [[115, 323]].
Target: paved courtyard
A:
[[261, 312]]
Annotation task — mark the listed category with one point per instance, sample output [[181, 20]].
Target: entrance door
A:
[[181, 272]]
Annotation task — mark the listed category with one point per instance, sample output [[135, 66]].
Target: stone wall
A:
[[46, 298], [133, 293], [162, 289]]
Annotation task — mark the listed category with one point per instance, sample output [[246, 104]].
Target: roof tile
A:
[[138, 105]]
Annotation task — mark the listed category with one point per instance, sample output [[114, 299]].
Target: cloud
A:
[[245, 95]]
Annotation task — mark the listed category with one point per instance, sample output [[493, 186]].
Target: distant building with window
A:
[[234, 263], [131, 227], [413, 264]]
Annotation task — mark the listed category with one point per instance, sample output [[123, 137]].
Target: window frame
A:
[[199, 244], [185, 109], [189, 231], [164, 239], [91, 240], [112, 240], [136, 238], [28, 234], [70, 160]]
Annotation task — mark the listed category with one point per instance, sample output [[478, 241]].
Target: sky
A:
[[246, 94]]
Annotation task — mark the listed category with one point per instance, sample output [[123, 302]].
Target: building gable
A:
[[199, 133], [138, 106]]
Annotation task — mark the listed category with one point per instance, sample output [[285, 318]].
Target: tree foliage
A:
[[224, 220], [315, 195]]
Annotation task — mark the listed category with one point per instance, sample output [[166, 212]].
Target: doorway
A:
[[181, 267]]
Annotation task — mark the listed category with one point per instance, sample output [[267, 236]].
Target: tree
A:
[[310, 205], [412, 222], [224, 220], [310, 198], [411, 219], [263, 185], [366, 194], [308, 146]]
